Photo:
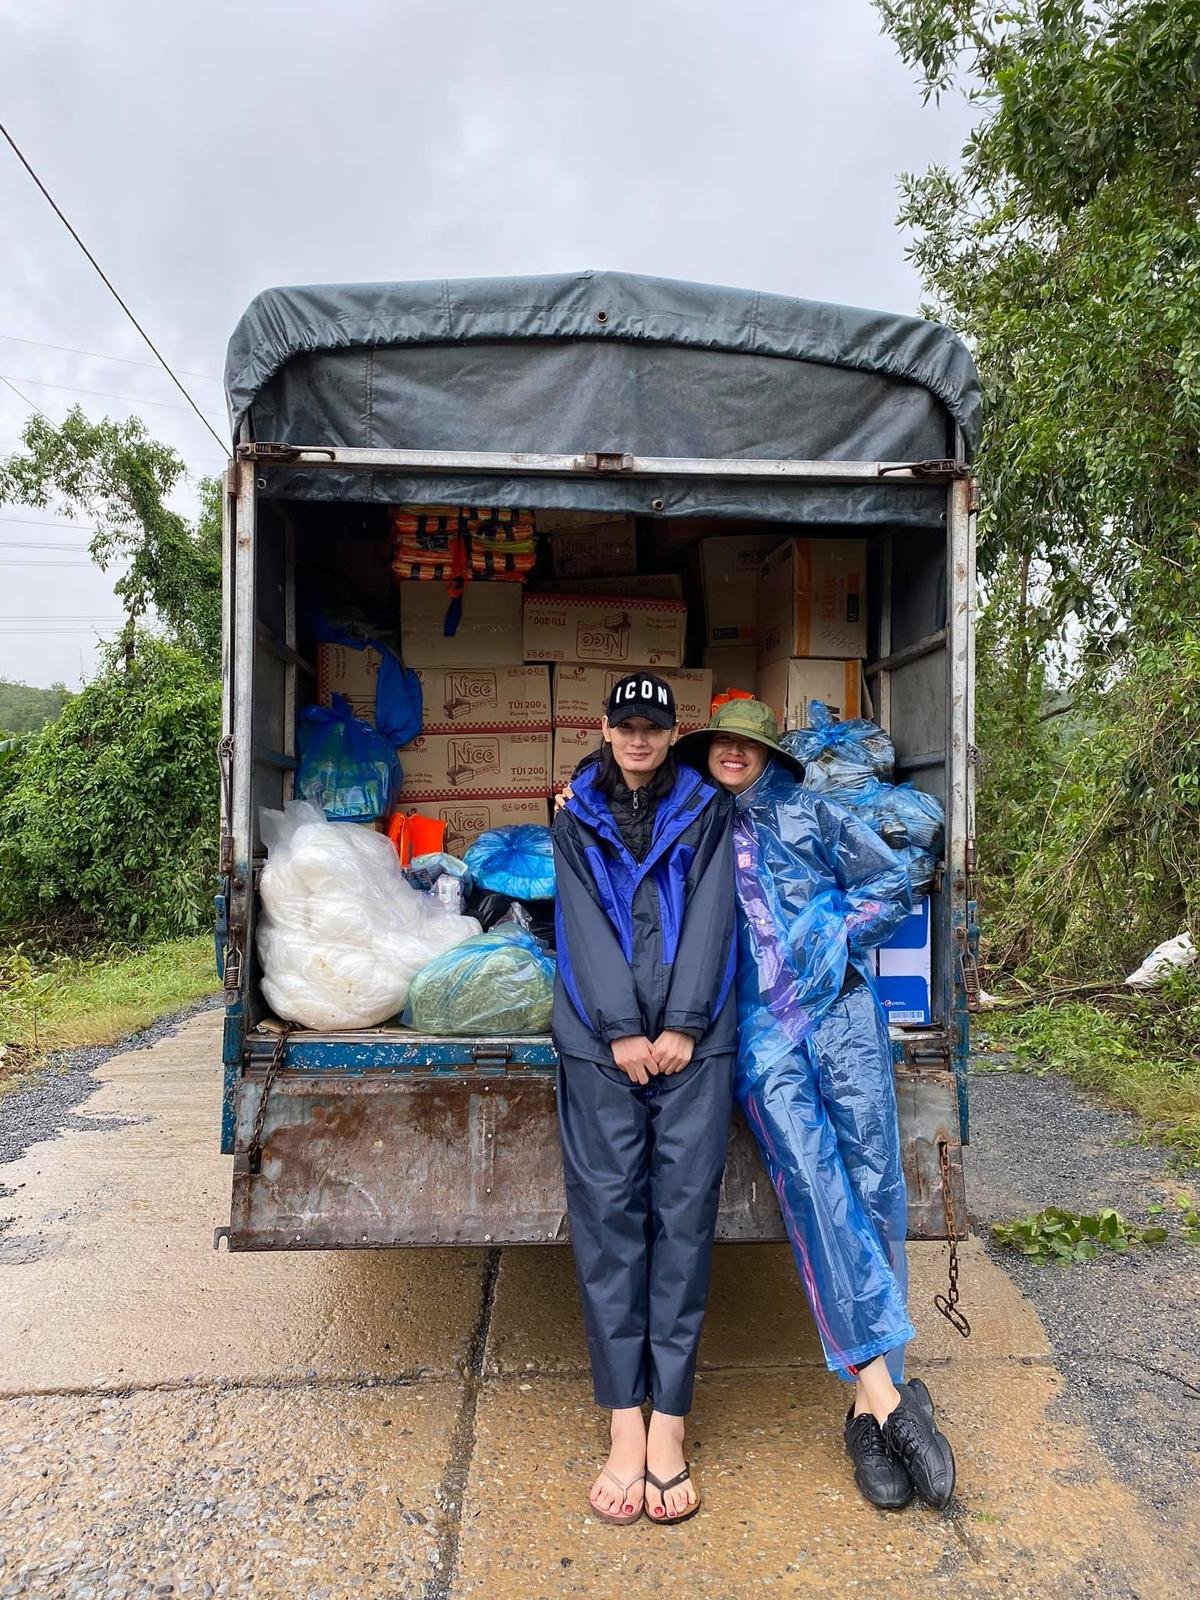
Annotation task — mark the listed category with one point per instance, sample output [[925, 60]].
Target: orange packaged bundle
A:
[[503, 544], [427, 543]]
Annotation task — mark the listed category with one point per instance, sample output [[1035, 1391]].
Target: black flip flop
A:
[[671, 1483]]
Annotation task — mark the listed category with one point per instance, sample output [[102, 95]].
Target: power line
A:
[[109, 286], [25, 398], [5, 562], [97, 355], [49, 522], [41, 544], [100, 394]]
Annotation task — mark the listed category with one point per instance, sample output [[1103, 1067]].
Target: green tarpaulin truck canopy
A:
[[602, 362]]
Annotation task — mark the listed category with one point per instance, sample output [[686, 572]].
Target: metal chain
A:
[[947, 1303], [254, 1150]]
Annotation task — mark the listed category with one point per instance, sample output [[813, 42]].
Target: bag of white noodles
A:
[[342, 933]]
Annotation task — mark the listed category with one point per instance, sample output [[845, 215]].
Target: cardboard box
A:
[[490, 699], [489, 633], [467, 818], [595, 549], [352, 673], [570, 747], [645, 586], [581, 694], [733, 666], [726, 570], [904, 968], [623, 632], [789, 686], [813, 600], [439, 766]]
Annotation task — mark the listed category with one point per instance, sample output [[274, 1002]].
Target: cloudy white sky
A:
[[205, 149]]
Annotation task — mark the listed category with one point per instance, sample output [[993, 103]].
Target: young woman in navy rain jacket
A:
[[645, 1025]]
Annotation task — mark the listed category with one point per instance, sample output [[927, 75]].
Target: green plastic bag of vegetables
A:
[[501, 981]]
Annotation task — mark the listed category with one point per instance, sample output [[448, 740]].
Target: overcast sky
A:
[[205, 149]]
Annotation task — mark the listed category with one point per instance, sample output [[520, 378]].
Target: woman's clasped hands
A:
[[640, 1060]]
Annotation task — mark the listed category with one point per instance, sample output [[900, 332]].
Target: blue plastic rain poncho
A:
[[816, 892]]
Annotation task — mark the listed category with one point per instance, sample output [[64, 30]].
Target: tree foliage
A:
[[1066, 249], [108, 814], [115, 475], [24, 708], [110, 827]]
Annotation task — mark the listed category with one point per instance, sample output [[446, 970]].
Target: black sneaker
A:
[[913, 1439], [880, 1478]]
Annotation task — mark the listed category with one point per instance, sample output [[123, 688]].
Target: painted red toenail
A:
[[658, 1511]]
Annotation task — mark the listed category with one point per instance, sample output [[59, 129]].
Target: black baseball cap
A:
[[641, 694]]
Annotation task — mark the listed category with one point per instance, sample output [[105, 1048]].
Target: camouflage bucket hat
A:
[[744, 719]]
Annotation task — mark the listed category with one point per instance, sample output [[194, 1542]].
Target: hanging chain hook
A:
[[947, 1303], [278, 1058]]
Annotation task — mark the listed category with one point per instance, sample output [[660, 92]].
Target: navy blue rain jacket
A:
[[644, 946]]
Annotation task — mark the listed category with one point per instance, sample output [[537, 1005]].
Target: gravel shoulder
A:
[[1125, 1329], [44, 1107]]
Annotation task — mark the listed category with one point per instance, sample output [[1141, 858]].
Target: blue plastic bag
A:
[[517, 861], [840, 755], [497, 982], [345, 767], [398, 703], [908, 820]]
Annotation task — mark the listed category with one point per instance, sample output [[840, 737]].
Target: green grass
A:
[[55, 1003], [1140, 1052]]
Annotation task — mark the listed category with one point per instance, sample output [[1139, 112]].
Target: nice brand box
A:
[[439, 766], [581, 694], [468, 817], [488, 632], [621, 631], [812, 600], [904, 968], [490, 699], [598, 548], [788, 687]]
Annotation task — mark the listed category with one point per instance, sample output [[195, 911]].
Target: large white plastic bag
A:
[[1173, 955], [342, 934]]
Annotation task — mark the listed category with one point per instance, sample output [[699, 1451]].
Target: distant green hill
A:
[[23, 709]]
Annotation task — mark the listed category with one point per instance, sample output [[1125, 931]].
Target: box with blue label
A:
[[903, 966]]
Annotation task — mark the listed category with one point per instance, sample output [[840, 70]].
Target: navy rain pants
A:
[[643, 1168]]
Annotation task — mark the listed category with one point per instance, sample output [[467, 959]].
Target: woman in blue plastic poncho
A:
[[816, 891]]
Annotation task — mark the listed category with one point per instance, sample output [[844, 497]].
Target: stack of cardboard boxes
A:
[[812, 622], [494, 741], [609, 626]]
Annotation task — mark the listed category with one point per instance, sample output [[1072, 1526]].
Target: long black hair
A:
[[610, 775]]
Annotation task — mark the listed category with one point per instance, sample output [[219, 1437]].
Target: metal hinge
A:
[[607, 461], [265, 450], [937, 467], [491, 1055]]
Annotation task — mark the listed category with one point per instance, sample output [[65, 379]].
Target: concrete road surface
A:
[[400, 1424]]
